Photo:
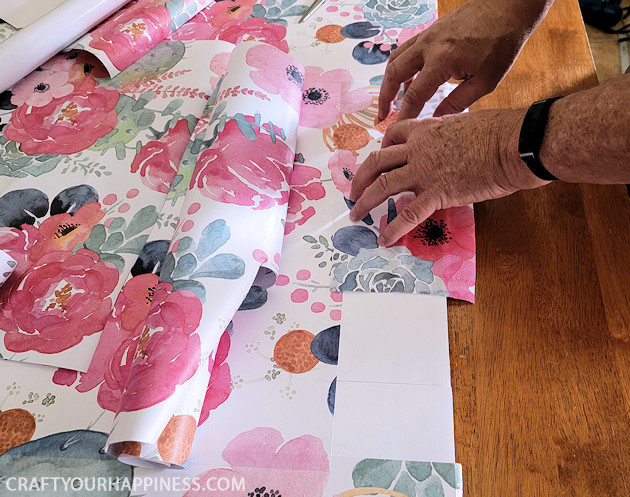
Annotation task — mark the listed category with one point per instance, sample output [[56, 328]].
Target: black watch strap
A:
[[531, 137]]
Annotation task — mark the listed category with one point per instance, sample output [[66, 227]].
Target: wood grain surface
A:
[[541, 361]]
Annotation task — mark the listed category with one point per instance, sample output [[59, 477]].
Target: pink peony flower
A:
[[66, 125], [254, 28], [229, 10], [131, 33], [40, 87], [80, 66], [458, 276], [235, 170], [343, 166], [220, 384], [218, 65], [277, 73], [305, 185], [198, 28], [168, 349], [60, 300], [158, 160], [326, 96], [268, 465]]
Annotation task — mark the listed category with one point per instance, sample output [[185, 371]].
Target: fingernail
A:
[[353, 216]]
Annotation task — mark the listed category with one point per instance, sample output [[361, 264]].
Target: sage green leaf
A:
[[375, 473], [450, 472], [117, 224], [285, 4], [116, 260], [309, 239], [173, 106], [143, 100], [194, 286], [113, 242], [245, 127], [405, 485], [185, 244], [142, 220], [121, 152], [296, 10], [224, 266], [185, 265], [431, 487], [167, 268], [213, 236], [97, 238], [419, 470], [133, 246]]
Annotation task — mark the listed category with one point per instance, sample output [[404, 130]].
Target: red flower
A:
[[304, 186], [158, 160], [66, 125], [254, 28], [60, 300], [168, 349], [226, 11], [343, 166], [65, 231], [131, 33], [235, 170], [219, 386], [458, 276]]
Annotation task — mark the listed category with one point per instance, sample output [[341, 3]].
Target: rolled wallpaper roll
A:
[[229, 237], [26, 50]]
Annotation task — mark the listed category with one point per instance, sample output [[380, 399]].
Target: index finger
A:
[[400, 68]]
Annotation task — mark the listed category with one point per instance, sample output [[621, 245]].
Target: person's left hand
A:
[[447, 162]]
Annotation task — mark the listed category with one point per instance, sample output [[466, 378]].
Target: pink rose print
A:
[[60, 300], [66, 125], [226, 11], [268, 465], [65, 231], [112, 359], [168, 349], [305, 185], [458, 276], [343, 166], [326, 96], [218, 64], [277, 73], [158, 160], [131, 33], [235, 170], [81, 68], [220, 384], [40, 87]]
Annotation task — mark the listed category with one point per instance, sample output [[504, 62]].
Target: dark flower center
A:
[[348, 174], [433, 233], [295, 76], [73, 55], [263, 492], [42, 88], [314, 96], [150, 294], [65, 229], [233, 9], [87, 68]]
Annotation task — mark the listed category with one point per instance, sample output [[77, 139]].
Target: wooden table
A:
[[541, 362]]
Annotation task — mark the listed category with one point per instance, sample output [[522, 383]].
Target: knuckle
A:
[[381, 185], [412, 96], [410, 216]]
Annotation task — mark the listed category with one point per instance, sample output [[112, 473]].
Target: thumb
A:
[[463, 97]]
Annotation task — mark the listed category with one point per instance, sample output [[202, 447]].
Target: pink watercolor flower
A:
[[254, 28], [131, 33], [198, 28], [235, 170], [230, 10], [268, 465], [112, 359], [158, 160], [343, 166], [458, 276], [277, 73], [66, 125], [305, 185], [40, 87], [168, 349], [218, 65], [446, 232], [408, 33], [220, 384], [61, 299], [327, 95], [80, 66]]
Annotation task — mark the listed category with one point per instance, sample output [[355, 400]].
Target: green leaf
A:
[[224, 266], [133, 246], [97, 238], [120, 151], [450, 472], [323, 240], [185, 265], [245, 127], [117, 224], [173, 106], [143, 100], [322, 264], [273, 12], [285, 4], [318, 255], [218, 110], [142, 220], [296, 10], [113, 242], [213, 236], [405, 485], [258, 11], [309, 239], [431, 487], [116, 260], [315, 247], [146, 119], [167, 268], [193, 286], [378, 473], [419, 470], [185, 244]]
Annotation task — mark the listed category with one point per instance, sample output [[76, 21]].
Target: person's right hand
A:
[[477, 43]]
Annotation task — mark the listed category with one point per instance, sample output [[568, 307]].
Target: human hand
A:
[[447, 162], [477, 43]]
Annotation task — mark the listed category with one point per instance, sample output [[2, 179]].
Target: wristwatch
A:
[[531, 137]]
